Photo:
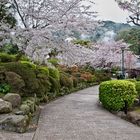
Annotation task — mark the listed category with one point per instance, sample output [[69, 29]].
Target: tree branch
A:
[[18, 10]]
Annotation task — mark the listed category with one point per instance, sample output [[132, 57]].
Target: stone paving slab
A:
[[78, 117], [15, 136]]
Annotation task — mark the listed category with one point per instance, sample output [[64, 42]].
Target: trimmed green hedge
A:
[[138, 88], [112, 94]]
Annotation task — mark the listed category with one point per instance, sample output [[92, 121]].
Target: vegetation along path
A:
[[79, 117]]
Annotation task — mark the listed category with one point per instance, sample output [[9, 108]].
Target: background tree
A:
[[7, 21], [42, 23], [132, 37], [133, 7]]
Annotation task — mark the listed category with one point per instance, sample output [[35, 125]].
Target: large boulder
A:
[[14, 99], [5, 107], [15, 81], [14, 123]]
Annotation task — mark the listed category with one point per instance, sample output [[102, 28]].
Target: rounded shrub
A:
[[113, 94]]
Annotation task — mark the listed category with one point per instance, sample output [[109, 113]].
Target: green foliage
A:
[[23, 58], [55, 85], [66, 81], [113, 94], [138, 78], [27, 72], [54, 72], [5, 15], [6, 57], [102, 76], [94, 78], [28, 64], [88, 68], [131, 80], [4, 88], [75, 81], [82, 42], [44, 87], [53, 61], [9, 49], [138, 88], [42, 71]]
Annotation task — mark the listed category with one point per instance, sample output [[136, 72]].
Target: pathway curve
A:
[[78, 117]]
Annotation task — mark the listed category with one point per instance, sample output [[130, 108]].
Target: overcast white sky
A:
[[109, 10]]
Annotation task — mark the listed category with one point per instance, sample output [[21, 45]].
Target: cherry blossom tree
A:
[[101, 55], [41, 23], [133, 7]]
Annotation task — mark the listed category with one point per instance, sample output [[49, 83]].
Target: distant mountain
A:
[[107, 29], [108, 26]]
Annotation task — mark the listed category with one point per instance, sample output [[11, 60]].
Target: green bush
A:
[[113, 94], [138, 78], [66, 81], [131, 80], [138, 88], [53, 61], [44, 87], [4, 88], [102, 76], [55, 85], [75, 81], [28, 64], [94, 79], [23, 58], [53, 72], [9, 48], [27, 73], [42, 71], [6, 57], [82, 42]]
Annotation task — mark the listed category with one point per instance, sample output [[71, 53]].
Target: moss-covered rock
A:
[[27, 73], [5, 107], [13, 98], [25, 108], [15, 81], [14, 123]]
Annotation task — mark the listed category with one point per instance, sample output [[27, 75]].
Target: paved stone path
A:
[[78, 117]]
